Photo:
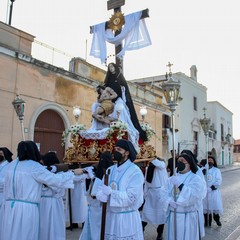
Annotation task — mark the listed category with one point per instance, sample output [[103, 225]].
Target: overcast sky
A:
[[204, 33]]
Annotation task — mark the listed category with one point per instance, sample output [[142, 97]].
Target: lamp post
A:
[[143, 112], [10, 13], [205, 124], [171, 88], [19, 106], [76, 113]]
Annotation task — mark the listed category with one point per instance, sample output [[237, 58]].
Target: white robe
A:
[[3, 170], [52, 218], [92, 226], [187, 208], [22, 192], [214, 196], [154, 209], [78, 201], [123, 218], [200, 203]]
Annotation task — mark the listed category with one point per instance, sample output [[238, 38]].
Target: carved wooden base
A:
[[89, 150]]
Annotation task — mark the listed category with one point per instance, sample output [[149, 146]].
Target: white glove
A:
[[173, 204], [102, 197], [176, 181], [209, 190], [90, 172], [54, 169], [78, 171], [107, 190]]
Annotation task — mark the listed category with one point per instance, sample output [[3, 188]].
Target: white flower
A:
[[73, 130], [119, 127], [148, 129]]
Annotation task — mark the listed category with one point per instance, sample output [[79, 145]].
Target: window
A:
[[166, 123], [222, 133], [195, 142], [195, 103]]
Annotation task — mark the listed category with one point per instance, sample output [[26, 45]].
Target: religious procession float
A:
[[114, 116]]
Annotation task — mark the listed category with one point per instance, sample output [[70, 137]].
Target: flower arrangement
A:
[[148, 129], [73, 130], [119, 127]]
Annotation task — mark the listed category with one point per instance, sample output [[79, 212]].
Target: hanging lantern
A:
[[19, 105]]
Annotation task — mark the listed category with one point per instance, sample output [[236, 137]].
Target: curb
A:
[[227, 169]]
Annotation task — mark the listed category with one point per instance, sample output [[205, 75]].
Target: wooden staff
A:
[[104, 207], [70, 209]]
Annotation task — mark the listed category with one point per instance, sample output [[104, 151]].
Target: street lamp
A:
[[10, 13], [205, 124], [143, 112], [76, 113], [171, 89], [19, 106]]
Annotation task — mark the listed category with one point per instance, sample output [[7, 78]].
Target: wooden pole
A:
[[206, 177], [70, 208], [174, 173], [104, 208]]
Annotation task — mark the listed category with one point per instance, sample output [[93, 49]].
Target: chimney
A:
[[193, 71]]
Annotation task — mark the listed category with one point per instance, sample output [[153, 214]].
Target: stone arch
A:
[[55, 108]]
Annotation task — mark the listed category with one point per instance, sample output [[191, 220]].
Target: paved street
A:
[[231, 217], [230, 229]]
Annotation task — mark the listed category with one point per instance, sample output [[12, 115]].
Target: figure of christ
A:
[[105, 104]]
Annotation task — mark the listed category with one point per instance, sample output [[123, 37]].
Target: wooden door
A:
[[48, 133]]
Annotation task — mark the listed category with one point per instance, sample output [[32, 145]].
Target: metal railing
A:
[[51, 55]]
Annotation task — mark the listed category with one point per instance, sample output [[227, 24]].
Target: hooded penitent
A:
[[191, 162], [7, 153], [27, 150], [191, 154], [214, 160], [128, 146], [50, 158]]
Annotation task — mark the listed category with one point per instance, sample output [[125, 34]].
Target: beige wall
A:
[[16, 39]]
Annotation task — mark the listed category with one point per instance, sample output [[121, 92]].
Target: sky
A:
[[187, 32]]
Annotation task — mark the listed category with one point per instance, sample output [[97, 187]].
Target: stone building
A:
[[189, 133], [236, 150]]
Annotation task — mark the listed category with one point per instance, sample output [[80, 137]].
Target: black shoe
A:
[[159, 237], [74, 225], [210, 220], [219, 223]]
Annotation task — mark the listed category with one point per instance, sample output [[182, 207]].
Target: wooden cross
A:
[[116, 6]]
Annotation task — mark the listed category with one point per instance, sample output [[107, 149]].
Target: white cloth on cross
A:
[[134, 33]]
